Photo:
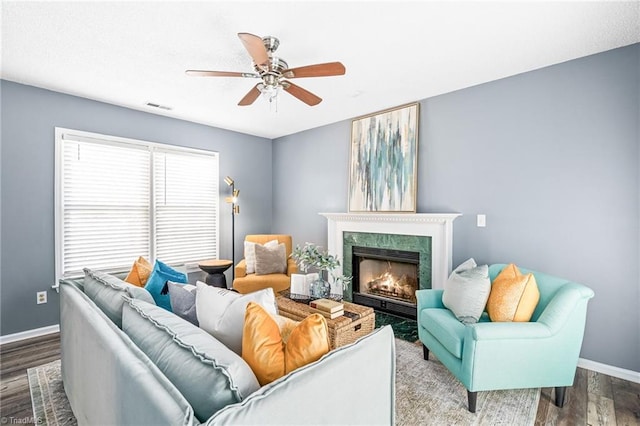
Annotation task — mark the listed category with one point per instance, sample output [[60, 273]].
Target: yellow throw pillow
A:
[[513, 296], [269, 356], [139, 273]]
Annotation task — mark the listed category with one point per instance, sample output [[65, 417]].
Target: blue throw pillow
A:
[[159, 276]]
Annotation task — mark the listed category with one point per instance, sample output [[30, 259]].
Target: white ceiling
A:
[[131, 53]]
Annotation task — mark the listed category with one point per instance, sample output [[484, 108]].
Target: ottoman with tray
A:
[[357, 321]]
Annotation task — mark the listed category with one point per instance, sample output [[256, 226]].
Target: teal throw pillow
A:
[[159, 276]]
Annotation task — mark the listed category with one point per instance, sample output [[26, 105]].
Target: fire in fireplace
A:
[[386, 279]]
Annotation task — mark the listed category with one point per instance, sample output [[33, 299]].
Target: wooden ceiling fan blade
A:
[[256, 49], [205, 73], [300, 93], [317, 70], [250, 97]]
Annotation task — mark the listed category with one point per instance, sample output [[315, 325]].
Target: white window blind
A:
[[186, 188], [117, 199]]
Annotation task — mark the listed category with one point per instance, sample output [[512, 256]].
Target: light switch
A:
[[482, 221]]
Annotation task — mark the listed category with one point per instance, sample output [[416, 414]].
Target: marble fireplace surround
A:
[[438, 226]]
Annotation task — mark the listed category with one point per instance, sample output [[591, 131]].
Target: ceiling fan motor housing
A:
[[271, 43], [276, 67]]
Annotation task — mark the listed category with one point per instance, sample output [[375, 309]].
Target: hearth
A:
[[386, 279]]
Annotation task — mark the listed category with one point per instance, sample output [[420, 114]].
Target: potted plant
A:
[[312, 256]]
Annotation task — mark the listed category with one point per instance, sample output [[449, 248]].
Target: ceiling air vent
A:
[[151, 104]]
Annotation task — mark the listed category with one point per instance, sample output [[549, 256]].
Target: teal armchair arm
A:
[[556, 314], [508, 331], [429, 299]]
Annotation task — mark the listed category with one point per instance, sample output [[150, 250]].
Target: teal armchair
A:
[[510, 355]]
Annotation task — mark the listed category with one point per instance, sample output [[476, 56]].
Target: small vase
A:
[[320, 288]]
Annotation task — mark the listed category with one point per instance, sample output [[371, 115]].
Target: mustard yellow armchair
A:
[[247, 283]]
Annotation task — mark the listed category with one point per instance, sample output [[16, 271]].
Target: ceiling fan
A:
[[274, 71]]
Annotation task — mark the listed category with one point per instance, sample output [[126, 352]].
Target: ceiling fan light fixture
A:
[[269, 91]]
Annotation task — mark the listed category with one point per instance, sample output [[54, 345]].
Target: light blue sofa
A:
[[110, 379], [508, 355]]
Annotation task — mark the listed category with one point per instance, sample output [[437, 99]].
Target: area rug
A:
[[426, 394], [50, 404]]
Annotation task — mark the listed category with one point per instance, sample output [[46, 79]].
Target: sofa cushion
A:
[[513, 296], [467, 290], [221, 312], [106, 291], [269, 355], [159, 277], [207, 373], [271, 260], [250, 254], [183, 301], [140, 272], [445, 327]]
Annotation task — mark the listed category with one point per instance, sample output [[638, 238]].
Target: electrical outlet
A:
[[41, 297], [481, 221]]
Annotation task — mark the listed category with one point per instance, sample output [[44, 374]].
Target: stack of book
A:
[[327, 308]]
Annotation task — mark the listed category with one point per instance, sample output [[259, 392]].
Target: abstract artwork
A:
[[383, 175]]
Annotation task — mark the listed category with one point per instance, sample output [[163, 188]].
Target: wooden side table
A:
[[358, 320], [215, 271]]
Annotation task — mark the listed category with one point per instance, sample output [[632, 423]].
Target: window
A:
[[117, 199]]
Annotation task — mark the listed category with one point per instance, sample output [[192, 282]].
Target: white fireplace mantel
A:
[[438, 226]]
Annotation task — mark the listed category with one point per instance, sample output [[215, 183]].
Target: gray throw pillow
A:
[[106, 291], [250, 254], [183, 301], [467, 290], [271, 260]]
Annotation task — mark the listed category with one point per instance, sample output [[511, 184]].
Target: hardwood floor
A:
[[15, 359], [595, 399]]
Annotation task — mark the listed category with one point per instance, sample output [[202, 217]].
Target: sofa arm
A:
[[241, 269], [429, 299], [317, 393]]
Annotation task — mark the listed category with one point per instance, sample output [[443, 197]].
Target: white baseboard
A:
[[36, 332], [609, 370]]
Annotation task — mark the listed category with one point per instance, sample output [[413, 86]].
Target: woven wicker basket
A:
[[357, 321]]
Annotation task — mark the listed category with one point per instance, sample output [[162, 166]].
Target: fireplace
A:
[[386, 279], [429, 234]]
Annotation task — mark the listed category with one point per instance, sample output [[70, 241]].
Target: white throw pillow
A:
[[250, 254], [221, 312], [467, 290]]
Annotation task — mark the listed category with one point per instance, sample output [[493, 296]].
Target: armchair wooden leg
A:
[[560, 393], [472, 397], [425, 352]]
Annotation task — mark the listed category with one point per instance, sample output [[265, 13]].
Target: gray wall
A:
[[550, 156], [29, 116]]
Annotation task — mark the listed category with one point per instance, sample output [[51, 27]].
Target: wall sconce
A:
[[235, 209]]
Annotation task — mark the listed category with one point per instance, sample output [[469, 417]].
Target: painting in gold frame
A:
[[383, 161]]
